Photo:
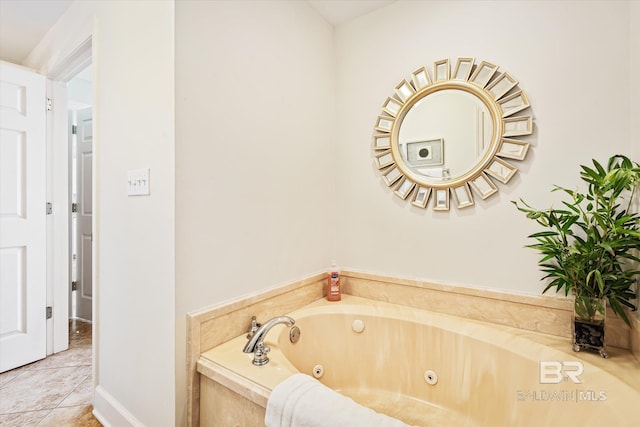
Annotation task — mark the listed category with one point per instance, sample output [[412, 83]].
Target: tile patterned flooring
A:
[[56, 391]]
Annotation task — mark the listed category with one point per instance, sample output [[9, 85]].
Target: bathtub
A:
[[431, 369]]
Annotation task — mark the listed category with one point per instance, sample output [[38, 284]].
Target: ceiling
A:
[[338, 11], [23, 23]]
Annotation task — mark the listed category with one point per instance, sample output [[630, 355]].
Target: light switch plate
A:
[[138, 182]]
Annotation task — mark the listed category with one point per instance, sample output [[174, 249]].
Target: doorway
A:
[[80, 113]]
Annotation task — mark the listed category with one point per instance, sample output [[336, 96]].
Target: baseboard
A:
[[110, 412]]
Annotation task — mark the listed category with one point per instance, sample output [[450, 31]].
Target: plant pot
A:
[[589, 316]]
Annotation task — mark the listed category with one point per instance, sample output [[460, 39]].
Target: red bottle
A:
[[334, 293]]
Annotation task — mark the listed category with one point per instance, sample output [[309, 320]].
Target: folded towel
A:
[[302, 401]]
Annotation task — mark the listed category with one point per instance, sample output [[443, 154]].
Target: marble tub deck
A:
[[56, 391]]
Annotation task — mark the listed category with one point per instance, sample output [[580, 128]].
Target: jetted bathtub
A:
[[430, 369]]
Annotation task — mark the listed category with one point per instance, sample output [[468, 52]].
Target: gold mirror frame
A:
[[499, 92]]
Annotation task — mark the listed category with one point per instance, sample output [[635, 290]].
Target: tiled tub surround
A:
[[545, 313], [212, 327]]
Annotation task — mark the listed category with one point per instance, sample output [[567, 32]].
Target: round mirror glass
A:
[[444, 134]]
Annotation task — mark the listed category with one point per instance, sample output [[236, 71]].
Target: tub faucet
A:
[[256, 342]]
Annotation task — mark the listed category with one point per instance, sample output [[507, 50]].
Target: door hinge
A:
[[49, 104], [49, 312], [74, 130], [49, 208], [74, 286], [74, 207]]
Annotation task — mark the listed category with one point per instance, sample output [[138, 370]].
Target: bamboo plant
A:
[[590, 245]]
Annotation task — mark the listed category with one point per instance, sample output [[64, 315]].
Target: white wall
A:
[[133, 50], [255, 153], [572, 59]]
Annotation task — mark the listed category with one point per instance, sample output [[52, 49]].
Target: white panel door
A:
[[22, 217], [84, 235]]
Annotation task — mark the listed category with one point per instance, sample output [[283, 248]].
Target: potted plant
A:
[[590, 245]]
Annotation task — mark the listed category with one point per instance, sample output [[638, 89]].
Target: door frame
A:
[[58, 190]]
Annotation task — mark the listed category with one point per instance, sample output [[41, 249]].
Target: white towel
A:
[[302, 401]]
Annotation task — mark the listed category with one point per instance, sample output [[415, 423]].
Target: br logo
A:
[[554, 372]]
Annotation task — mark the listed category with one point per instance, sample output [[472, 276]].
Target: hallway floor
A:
[[56, 391]]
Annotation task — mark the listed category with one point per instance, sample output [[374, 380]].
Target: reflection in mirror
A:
[[392, 106], [513, 103], [484, 186], [421, 197], [513, 149], [442, 200], [518, 126], [391, 176], [463, 195], [449, 133], [444, 134], [405, 188], [501, 85], [501, 170], [384, 124], [441, 70], [483, 73], [381, 141], [384, 159], [421, 78], [405, 90], [463, 69]]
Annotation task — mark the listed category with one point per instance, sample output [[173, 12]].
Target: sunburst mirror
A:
[[449, 135]]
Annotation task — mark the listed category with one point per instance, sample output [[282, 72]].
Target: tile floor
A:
[[55, 391]]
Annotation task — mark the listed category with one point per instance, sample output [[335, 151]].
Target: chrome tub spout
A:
[[256, 342]]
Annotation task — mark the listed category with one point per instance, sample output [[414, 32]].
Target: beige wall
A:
[[133, 46], [135, 107], [255, 152], [634, 97], [634, 82], [572, 59]]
